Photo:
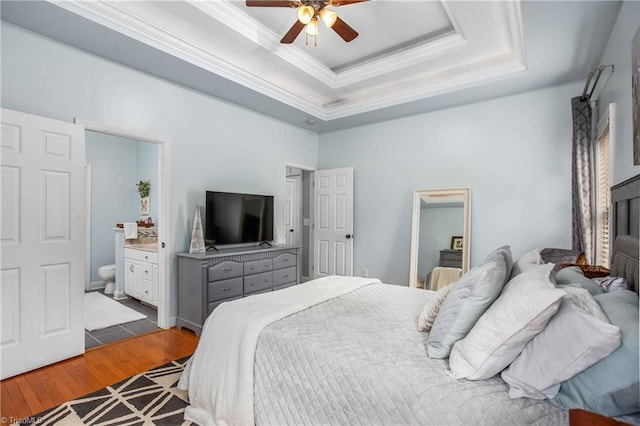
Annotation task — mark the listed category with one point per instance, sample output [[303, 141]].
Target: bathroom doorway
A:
[[298, 214], [117, 161]]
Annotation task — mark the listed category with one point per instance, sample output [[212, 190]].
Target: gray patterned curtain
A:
[[581, 182]]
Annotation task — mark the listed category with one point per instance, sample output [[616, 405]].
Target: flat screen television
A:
[[233, 218]]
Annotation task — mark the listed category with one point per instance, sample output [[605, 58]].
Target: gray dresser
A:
[[451, 258], [207, 280]]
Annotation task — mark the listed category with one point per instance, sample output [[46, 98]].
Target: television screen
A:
[[233, 218]]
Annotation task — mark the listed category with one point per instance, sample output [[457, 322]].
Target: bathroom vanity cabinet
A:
[[141, 275]]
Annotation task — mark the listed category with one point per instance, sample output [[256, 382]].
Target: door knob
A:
[[290, 230], [349, 236]]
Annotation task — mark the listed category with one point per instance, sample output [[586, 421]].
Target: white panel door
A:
[[333, 222], [290, 191], [42, 241]]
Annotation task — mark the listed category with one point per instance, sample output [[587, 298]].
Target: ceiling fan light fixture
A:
[[312, 27], [306, 14], [329, 17]]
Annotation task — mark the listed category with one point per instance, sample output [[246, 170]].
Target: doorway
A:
[[117, 160], [298, 214]]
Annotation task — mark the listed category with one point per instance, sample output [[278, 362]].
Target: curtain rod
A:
[[597, 72]]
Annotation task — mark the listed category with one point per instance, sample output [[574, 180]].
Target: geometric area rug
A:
[[149, 398]]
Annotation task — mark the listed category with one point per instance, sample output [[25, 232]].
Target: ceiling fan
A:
[[309, 11]]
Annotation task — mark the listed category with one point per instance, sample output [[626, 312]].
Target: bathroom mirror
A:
[[441, 232]]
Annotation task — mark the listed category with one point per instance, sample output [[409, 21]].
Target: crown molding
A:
[[119, 20], [364, 99], [463, 77]]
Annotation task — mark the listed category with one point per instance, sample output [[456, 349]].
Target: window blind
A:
[[603, 196]]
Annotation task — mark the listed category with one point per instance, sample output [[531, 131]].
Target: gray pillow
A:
[[467, 300], [573, 275], [572, 341], [505, 253], [610, 386]]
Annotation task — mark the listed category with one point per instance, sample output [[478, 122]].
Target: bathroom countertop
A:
[[152, 247]]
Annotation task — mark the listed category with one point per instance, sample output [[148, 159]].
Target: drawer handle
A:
[[226, 269], [226, 288], [266, 281], [252, 267], [285, 276], [266, 265], [146, 258], [251, 283], [131, 268], [285, 259]]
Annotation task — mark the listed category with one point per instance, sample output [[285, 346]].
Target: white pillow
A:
[[527, 261], [523, 309], [432, 308], [572, 341]]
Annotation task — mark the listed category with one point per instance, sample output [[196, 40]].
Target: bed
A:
[[348, 351]]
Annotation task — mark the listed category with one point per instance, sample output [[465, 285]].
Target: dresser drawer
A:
[[257, 282], [284, 260], [224, 270], [451, 263], [451, 255], [224, 289], [284, 276], [214, 305], [141, 255], [257, 266]]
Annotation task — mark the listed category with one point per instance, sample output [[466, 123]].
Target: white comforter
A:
[[219, 376]]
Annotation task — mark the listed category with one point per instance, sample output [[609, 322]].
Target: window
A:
[[603, 192]]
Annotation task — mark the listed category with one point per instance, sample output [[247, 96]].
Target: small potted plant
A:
[[144, 187]]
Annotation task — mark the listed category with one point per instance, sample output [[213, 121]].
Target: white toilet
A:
[[107, 273]]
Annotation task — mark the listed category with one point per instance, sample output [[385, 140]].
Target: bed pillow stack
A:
[[522, 311], [467, 300], [549, 359]]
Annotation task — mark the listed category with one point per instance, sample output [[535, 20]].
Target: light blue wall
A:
[[213, 144], [514, 153], [617, 89], [437, 225], [113, 176]]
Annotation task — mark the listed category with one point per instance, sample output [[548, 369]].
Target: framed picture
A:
[[457, 243]]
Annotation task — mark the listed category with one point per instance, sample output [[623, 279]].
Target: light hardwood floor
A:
[[30, 393]]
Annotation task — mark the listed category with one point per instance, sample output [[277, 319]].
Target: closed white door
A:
[[290, 211], [42, 240], [333, 222]]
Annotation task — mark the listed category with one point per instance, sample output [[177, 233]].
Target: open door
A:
[[42, 238], [333, 222]]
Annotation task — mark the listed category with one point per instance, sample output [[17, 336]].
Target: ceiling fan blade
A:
[[293, 32], [272, 3], [344, 30], [337, 3]]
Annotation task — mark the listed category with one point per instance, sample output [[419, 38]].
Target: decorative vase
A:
[[197, 236], [144, 206]]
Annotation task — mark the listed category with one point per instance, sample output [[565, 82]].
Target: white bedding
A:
[[219, 376]]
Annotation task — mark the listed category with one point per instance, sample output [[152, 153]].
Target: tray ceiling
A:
[[407, 51]]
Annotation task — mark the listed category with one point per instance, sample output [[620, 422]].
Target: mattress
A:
[[359, 359]]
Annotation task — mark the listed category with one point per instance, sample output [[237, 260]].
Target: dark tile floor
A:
[[122, 331]]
